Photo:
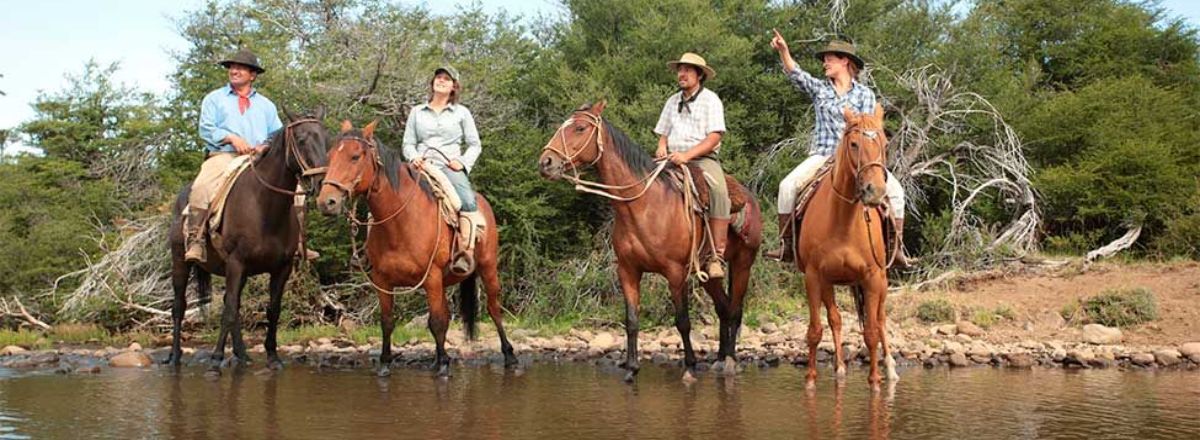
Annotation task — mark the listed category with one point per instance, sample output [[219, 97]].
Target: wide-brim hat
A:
[[694, 60], [243, 57], [840, 47], [449, 71]]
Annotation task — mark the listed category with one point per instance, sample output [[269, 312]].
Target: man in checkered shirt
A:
[[689, 130]]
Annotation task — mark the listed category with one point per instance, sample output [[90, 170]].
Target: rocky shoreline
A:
[[952, 345]]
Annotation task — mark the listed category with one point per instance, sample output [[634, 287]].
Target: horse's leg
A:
[[631, 280], [813, 286], [871, 332], [387, 323], [680, 295], [721, 303], [235, 332], [234, 279], [179, 279], [439, 322], [739, 283], [491, 283], [880, 292], [834, 316], [279, 280]]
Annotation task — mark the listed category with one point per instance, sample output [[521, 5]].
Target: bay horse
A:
[[260, 234], [409, 244], [841, 242], [653, 229]]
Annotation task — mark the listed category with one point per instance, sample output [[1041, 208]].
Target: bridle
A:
[[858, 164], [587, 186], [292, 148]]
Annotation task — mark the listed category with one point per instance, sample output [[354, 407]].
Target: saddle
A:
[[450, 204], [805, 197], [703, 193], [216, 206]]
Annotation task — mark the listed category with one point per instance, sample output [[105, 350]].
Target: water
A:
[[577, 401]]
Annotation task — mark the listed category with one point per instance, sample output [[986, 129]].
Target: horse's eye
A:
[[355, 157], [854, 145], [578, 129]]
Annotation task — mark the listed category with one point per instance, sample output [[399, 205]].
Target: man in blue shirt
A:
[[234, 120]]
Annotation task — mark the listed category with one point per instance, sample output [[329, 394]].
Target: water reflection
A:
[[580, 401]]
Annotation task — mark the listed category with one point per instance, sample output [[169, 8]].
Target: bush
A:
[[1121, 308], [938, 310]]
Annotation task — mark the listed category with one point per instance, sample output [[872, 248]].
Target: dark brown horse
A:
[[260, 234], [409, 243], [653, 230], [841, 242]]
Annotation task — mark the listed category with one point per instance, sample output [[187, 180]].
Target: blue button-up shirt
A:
[[828, 105], [439, 137], [219, 117]]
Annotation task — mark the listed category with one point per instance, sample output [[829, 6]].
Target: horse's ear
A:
[[851, 117], [320, 112], [346, 126], [369, 130], [878, 115], [598, 107], [291, 117]]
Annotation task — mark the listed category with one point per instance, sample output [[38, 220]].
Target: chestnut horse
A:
[[654, 231], [409, 244], [259, 236], [841, 242]]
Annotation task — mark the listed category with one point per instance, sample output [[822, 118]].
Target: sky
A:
[[42, 41]]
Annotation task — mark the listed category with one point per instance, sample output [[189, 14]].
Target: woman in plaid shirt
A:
[[839, 89]]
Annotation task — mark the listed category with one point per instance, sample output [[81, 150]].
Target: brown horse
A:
[[260, 236], [841, 242], [409, 243], [654, 231]]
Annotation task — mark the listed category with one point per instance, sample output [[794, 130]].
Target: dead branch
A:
[[15, 309]]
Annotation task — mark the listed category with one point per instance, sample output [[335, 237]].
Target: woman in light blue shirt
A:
[[442, 133]]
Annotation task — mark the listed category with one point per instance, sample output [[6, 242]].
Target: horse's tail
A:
[[860, 301], [468, 305]]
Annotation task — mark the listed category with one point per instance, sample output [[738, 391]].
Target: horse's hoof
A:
[[630, 376], [384, 372], [810, 383], [512, 363], [275, 365], [731, 367], [688, 377], [444, 371]]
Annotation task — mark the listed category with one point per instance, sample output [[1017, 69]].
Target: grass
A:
[[938, 310], [988, 317], [31, 340], [79, 334], [1121, 308]]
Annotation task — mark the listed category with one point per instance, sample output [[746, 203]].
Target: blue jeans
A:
[[462, 186]]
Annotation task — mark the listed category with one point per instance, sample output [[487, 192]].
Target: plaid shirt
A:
[[688, 124], [828, 105]]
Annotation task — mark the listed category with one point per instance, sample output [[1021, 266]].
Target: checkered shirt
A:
[[685, 128], [828, 105]]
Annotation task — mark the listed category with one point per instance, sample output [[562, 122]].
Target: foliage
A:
[[938, 310], [1121, 308]]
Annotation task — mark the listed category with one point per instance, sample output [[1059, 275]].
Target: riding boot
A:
[[197, 247], [785, 253], [464, 259], [720, 236], [902, 259]]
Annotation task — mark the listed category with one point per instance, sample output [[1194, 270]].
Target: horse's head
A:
[[578, 141], [353, 164], [306, 140], [863, 149]]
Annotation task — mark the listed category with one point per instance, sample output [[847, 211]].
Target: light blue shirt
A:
[[219, 117], [439, 137]]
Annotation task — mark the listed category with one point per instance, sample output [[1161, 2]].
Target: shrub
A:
[[1120, 308], [938, 310]]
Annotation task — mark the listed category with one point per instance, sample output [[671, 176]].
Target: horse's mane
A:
[[638, 160], [392, 161]]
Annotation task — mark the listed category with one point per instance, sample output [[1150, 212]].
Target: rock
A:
[[952, 347], [1099, 334], [603, 341], [1019, 360], [948, 330], [981, 359], [324, 341], [673, 340], [1142, 359], [769, 328], [11, 350], [1051, 320], [1101, 362], [1167, 357], [1190, 349], [131, 359], [958, 360], [962, 338], [1054, 345], [1030, 345], [969, 328], [775, 339], [94, 369], [135, 347], [1080, 356]]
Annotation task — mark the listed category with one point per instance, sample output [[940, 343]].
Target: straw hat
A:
[[694, 60]]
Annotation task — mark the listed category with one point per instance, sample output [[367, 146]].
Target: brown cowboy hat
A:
[[694, 60], [840, 47], [244, 57]]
